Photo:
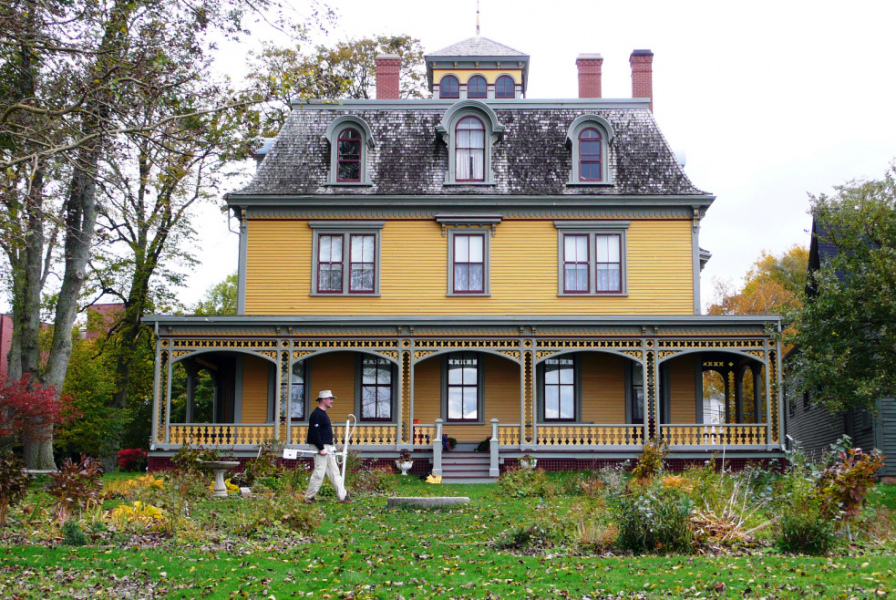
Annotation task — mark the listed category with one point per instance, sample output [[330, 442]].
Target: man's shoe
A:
[[346, 500], [310, 500]]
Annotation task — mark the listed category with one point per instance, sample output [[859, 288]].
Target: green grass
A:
[[885, 495], [363, 550]]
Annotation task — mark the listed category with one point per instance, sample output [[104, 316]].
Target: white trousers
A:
[[325, 464]]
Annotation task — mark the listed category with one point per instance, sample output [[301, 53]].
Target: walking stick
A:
[[342, 457]]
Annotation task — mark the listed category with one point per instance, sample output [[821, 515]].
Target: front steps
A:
[[466, 467]]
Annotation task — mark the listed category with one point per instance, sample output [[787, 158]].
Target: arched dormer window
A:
[[589, 138], [470, 128], [348, 156], [477, 87], [350, 142], [469, 148], [505, 87], [590, 155], [449, 87]]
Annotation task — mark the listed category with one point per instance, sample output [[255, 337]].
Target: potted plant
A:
[[404, 462], [528, 462]]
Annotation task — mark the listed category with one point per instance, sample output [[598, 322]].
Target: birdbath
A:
[[220, 467]]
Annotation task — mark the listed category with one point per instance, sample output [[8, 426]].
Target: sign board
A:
[[290, 453]]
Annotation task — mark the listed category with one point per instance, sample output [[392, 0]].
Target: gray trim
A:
[[346, 230], [696, 264], [486, 259], [572, 137], [504, 103], [494, 130], [480, 388], [334, 203], [241, 264], [592, 230]]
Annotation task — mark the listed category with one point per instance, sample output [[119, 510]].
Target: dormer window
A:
[[348, 153], [505, 87], [469, 160], [470, 128], [449, 87], [350, 142], [590, 155], [477, 87], [589, 138]]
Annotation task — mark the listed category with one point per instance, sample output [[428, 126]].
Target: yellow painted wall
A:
[[415, 270], [681, 390], [335, 371], [491, 76], [501, 401], [255, 390], [603, 388]]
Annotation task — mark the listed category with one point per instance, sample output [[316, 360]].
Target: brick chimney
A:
[[589, 66], [387, 68], [642, 74]]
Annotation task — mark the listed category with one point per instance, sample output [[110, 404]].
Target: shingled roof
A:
[[477, 46], [531, 158]]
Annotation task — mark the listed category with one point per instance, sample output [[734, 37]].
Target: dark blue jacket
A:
[[320, 431]]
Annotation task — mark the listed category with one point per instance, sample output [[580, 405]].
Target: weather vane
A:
[[477, 17]]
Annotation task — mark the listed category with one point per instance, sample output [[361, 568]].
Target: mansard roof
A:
[[530, 158], [477, 46]]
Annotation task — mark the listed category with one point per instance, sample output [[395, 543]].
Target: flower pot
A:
[[528, 463], [404, 465]]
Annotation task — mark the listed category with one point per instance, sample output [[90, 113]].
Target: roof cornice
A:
[[503, 104]]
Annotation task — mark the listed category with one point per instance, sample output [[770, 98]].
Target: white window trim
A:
[[592, 229], [494, 131], [572, 142], [346, 229], [336, 127]]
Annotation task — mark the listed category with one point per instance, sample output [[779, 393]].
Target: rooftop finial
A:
[[477, 17]]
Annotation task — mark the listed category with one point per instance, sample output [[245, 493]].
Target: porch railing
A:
[[714, 435], [590, 435], [363, 435], [205, 434]]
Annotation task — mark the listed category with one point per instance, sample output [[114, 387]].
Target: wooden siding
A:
[[255, 389], [335, 371], [603, 388], [886, 435], [524, 266], [501, 400], [682, 395]]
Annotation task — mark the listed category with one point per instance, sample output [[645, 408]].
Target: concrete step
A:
[[464, 480]]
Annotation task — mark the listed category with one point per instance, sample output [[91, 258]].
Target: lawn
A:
[[363, 550]]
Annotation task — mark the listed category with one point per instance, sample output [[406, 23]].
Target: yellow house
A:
[[479, 266]]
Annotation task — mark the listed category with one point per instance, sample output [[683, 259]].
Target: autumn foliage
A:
[[28, 410]]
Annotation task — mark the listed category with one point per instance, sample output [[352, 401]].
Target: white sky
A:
[[769, 100]]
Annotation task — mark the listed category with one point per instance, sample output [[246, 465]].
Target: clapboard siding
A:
[[814, 427], [524, 265], [255, 389], [886, 423], [682, 393], [603, 388]]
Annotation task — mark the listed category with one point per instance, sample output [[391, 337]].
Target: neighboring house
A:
[[101, 318], [477, 265], [814, 427]]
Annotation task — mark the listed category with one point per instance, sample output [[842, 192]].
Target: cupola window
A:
[[449, 87], [476, 87], [505, 87]]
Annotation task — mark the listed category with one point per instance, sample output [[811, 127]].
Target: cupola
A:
[[477, 68]]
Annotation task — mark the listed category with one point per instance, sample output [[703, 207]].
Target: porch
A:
[[521, 389]]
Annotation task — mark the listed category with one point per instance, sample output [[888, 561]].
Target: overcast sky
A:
[[769, 100]]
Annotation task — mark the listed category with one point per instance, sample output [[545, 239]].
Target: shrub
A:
[[75, 486], [650, 463], [142, 515], [13, 484], [845, 484], [657, 519], [132, 459], [187, 461], [804, 529], [525, 483], [73, 534], [373, 481], [546, 530], [265, 465]]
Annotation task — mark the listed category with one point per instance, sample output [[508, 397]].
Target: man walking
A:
[[320, 435]]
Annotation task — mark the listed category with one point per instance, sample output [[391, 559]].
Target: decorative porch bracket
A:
[[437, 449]]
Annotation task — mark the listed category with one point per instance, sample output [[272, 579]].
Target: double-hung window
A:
[[296, 393], [463, 380], [469, 159], [469, 264], [592, 257], [346, 258], [376, 388], [559, 389]]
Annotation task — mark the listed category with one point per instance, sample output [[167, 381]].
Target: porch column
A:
[[768, 399], [168, 366], [645, 397], [757, 393], [494, 470], [156, 377], [280, 391], [652, 398], [528, 427], [726, 375], [406, 393], [739, 394]]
